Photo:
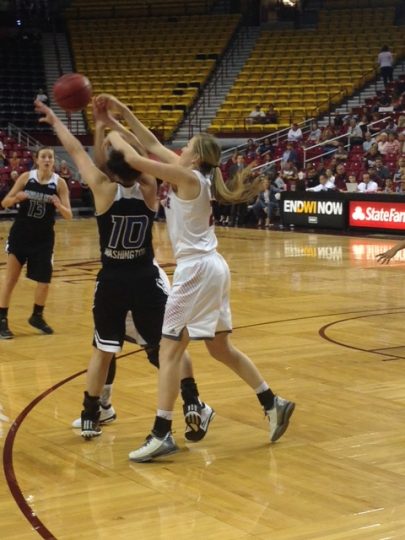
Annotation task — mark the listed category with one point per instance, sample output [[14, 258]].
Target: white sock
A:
[[167, 415], [262, 388]]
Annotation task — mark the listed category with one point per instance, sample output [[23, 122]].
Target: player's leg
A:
[[109, 311], [13, 271], [39, 269], [277, 409]]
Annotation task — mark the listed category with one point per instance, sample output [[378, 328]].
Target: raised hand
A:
[[49, 116]]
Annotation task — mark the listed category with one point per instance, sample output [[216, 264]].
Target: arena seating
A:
[[303, 73], [22, 74], [136, 8], [154, 65]]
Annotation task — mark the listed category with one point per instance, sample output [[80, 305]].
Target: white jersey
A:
[[190, 223]]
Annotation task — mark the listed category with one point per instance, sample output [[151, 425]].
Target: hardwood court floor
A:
[[322, 321]]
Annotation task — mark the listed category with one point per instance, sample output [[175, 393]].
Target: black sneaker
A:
[[90, 426], [5, 332], [37, 321], [207, 414], [192, 416]]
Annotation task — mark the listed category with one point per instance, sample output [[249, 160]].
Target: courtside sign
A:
[[377, 215]]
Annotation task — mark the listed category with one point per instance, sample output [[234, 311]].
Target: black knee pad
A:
[[153, 355]]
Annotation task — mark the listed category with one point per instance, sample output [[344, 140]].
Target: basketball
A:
[[72, 92]]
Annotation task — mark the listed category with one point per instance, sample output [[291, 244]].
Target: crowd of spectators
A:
[[364, 148]]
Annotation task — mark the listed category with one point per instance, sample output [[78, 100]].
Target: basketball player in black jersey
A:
[[129, 280], [39, 193]]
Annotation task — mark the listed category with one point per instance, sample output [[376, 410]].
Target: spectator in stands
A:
[[341, 154], [257, 116], [278, 182], [351, 179], [64, 171], [391, 126], [399, 173], [237, 166], [314, 136], [389, 186], [311, 176], [271, 115], [380, 172], [265, 205], [269, 167], [330, 177], [289, 174], [41, 96], [324, 185], [289, 154], [250, 151], [372, 155], [265, 147], [14, 161], [340, 177], [368, 141], [327, 134], [367, 185], [382, 142], [295, 134], [392, 146], [385, 61], [376, 128], [354, 133]]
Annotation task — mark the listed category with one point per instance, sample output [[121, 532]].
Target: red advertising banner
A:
[[377, 215]]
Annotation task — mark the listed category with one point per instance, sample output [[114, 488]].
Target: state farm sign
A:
[[377, 215]]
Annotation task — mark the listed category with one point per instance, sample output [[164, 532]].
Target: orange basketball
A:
[[72, 92]]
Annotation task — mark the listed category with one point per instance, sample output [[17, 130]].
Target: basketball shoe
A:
[[5, 332], [107, 415], [196, 433], [279, 417], [154, 447], [37, 321], [90, 426]]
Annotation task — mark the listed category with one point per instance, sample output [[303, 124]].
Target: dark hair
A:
[[119, 167], [36, 153]]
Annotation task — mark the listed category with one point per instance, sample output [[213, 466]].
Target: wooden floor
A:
[[325, 324]]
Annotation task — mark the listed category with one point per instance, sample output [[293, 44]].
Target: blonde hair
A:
[[242, 187]]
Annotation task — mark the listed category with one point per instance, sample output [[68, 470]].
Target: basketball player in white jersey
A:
[[129, 279], [39, 193], [198, 304]]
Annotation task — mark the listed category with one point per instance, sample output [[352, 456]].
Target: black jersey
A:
[[125, 232], [36, 215]]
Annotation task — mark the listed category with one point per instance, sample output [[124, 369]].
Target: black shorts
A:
[[38, 258], [143, 296]]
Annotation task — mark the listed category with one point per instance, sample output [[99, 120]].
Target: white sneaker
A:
[[279, 417], [207, 414], [107, 415], [154, 447]]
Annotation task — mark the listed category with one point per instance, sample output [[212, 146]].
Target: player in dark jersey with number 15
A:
[[39, 193]]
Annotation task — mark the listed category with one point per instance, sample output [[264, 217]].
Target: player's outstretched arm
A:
[[384, 258], [92, 175], [145, 136]]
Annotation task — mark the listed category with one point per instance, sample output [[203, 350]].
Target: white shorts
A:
[[199, 299]]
